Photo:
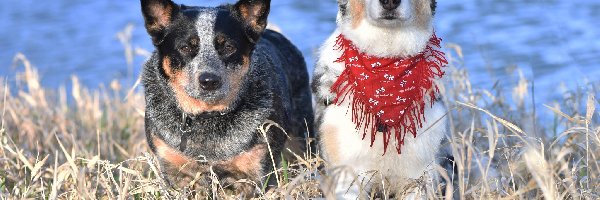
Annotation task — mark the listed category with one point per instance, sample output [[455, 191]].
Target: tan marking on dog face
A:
[[329, 142], [166, 65], [423, 14], [169, 154], [357, 12], [236, 80], [192, 105]]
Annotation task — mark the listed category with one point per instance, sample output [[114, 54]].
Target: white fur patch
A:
[[418, 154], [384, 42], [205, 24]]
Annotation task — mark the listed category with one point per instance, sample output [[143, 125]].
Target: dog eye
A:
[[186, 49], [228, 49]]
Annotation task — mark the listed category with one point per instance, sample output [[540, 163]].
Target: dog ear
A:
[[342, 2], [254, 14], [343, 6], [158, 14]]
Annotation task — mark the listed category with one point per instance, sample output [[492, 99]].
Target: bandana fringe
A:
[[414, 114]]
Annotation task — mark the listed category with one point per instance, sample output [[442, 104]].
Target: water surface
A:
[[552, 41]]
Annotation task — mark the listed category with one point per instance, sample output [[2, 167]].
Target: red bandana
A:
[[388, 93]]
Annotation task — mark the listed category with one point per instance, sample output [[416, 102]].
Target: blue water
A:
[[553, 42]]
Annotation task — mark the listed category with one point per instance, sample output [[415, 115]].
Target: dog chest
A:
[[344, 145]]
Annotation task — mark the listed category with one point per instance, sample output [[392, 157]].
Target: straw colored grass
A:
[[90, 144]]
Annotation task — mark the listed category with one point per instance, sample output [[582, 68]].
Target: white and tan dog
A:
[[382, 28]]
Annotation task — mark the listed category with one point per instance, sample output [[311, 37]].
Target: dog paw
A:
[[239, 187]]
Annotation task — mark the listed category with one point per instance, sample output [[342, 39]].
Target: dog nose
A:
[[210, 81], [390, 4]]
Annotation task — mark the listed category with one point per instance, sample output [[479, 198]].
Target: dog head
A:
[[205, 52], [387, 27]]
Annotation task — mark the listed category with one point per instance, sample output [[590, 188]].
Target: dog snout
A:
[[210, 82], [390, 4]]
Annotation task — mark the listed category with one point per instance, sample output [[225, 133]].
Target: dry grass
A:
[[90, 144]]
